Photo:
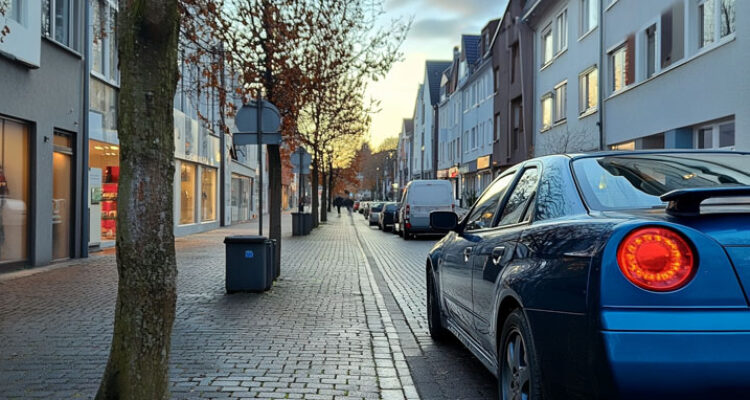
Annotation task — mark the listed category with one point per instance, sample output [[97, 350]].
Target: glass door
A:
[[62, 196]]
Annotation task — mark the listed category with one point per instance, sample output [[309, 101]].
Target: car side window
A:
[[484, 213], [520, 197]]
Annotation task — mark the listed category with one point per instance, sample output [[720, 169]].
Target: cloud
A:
[[395, 4], [434, 28], [488, 9]]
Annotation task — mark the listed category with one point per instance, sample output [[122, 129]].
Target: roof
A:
[[434, 70], [470, 47]]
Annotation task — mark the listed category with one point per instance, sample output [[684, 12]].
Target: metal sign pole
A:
[[299, 178], [260, 163]]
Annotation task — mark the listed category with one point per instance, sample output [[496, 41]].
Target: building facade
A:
[[42, 135], [675, 74], [424, 156], [566, 72], [404, 153], [512, 60]]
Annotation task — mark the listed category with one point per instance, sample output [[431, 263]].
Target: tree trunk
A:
[[315, 176], [274, 196], [324, 196], [146, 294]]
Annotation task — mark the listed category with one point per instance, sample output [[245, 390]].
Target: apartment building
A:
[[424, 157]]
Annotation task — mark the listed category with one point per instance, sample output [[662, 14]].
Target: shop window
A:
[[14, 191], [208, 194], [187, 193], [62, 195], [726, 134], [716, 135], [104, 177]]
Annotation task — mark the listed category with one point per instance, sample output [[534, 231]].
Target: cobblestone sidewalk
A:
[[322, 332]]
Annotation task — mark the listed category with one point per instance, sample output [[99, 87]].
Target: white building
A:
[[566, 84], [676, 74], [475, 89], [403, 153], [424, 156]]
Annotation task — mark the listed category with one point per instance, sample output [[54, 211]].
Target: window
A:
[[562, 31], [208, 194], [13, 10], [727, 17], [672, 34], [15, 208], [650, 51], [561, 98], [706, 20], [547, 45], [516, 112], [589, 15], [589, 90], [514, 62], [546, 111], [59, 22], [104, 101], [623, 65], [497, 126], [714, 136], [716, 18], [103, 43], [187, 193], [485, 209], [520, 198]]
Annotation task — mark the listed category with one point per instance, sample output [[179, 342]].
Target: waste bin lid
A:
[[246, 239]]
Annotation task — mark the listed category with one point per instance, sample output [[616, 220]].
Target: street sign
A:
[[247, 118]]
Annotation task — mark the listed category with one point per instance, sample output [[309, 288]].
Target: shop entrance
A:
[[62, 196]]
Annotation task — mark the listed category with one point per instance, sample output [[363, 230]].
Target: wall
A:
[[705, 85], [48, 98]]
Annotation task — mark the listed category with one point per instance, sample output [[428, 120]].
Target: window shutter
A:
[[630, 60]]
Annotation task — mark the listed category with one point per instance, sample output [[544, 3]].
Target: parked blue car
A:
[[608, 275]]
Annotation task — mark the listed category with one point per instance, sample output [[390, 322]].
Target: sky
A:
[[437, 28]]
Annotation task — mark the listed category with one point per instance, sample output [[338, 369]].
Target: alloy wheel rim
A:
[[516, 379]]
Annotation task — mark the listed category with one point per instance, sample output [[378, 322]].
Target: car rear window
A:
[[390, 207], [431, 194], [377, 207], [637, 181]]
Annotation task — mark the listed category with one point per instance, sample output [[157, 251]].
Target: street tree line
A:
[[312, 58]]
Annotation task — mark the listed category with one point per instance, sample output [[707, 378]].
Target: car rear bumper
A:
[[704, 355]]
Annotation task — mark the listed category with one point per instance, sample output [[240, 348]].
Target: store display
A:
[[109, 203]]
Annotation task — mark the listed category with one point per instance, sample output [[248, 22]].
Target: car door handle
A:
[[497, 254], [467, 254]]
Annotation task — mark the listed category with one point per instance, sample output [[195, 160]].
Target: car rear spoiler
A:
[[687, 202]]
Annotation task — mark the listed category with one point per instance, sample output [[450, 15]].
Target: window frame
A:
[[561, 108], [585, 24], [547, 31], [715, 129], [531, 204], [583, 108], [546, 96], [513, 172], [74, 40], [642, 50], [621, 47], [561, 39], [716, 37]]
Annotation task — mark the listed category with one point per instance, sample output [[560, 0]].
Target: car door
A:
[[456, 268], [496, 249]]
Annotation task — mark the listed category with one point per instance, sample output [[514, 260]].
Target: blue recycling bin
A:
[[249, 263]]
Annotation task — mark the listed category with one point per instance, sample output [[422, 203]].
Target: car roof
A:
[[640, 152]]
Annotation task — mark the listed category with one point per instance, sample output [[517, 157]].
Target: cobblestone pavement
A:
[[323, 331], [440, 370]]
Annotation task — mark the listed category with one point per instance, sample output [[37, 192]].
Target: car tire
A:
[[519, 374], [434, 320]]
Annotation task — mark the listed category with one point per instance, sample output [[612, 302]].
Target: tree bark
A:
[[314, 189], [146, 294], [324, 196], [274, 196]]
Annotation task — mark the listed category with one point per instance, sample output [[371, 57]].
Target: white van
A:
[[421, 197]]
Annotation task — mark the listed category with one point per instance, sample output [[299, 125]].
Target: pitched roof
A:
[[470, 47], [435, 70]]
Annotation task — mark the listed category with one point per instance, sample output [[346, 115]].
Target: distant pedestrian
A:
[[338, 202], [349, 203]]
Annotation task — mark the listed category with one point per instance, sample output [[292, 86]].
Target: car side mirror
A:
[[443, 220]]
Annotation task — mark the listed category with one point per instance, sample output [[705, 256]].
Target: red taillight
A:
[[657, 259], [406, 212]]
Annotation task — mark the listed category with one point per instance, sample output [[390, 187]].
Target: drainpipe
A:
[[85, 215], [599, 73]]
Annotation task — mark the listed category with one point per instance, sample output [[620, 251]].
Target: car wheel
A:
[[519, 376], [434, 323]]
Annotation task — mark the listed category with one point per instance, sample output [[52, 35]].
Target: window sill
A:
[[558, 123], [587, 33], [105, 80], [544, 130], [62, 46], [590, 111], [547, 64]]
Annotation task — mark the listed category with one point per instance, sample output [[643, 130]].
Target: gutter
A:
[[600, 80], [85, 214]]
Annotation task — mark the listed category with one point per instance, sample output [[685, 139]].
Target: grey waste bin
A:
[[248, 267]]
